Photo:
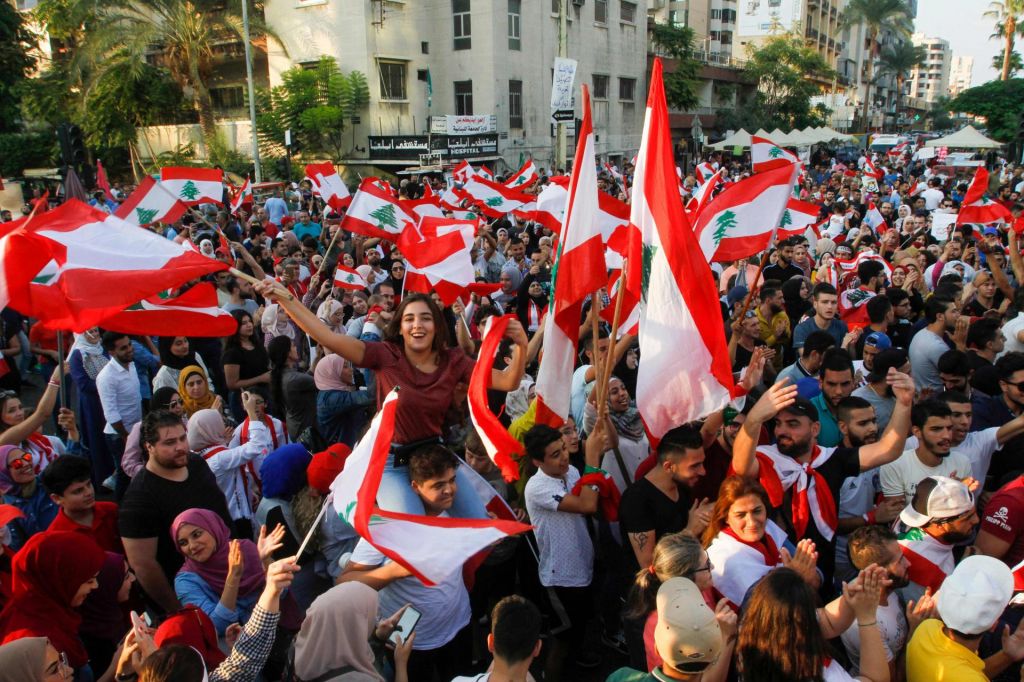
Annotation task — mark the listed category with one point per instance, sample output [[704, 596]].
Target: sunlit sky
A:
[[962, 24]]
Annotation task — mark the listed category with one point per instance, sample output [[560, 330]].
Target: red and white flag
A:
[[741, 220], [766, 155], [797, 218], [494, 199], [747, 563], [432, 548], [873, 219], [240, 196], [437, 257], [871, 170], [347, 278], [498, 442], [667, 272], [463, 172], [579, 271], [851, 265], [550, 210], [374, 212], [704, 193], [930, 560], [163, 315], [704, 171], [194, 185], [524, 177], [485, 173], [95, 265], [899, 150], [427, 207], [328, 185], [150, 203], [101, 180], [979, 209]]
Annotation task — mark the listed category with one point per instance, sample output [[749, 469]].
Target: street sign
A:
[[562, 115]]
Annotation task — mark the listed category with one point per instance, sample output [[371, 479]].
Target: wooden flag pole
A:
[[754, 287], [328, 251], [284, 293], [616, 321]]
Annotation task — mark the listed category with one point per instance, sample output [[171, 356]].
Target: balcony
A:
[[811, 33]]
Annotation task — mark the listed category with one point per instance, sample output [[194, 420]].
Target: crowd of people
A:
[[858, 514]]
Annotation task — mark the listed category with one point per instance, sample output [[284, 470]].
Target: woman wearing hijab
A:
[[341, 409], [86, 359], [517, 402], [134, 458], [332, 313], [633, 444], [341, 641], [531, 303], [104, 619], [21, 488], [32, 659], [176, 353], [223, 577], [48, 588], [194, 391]]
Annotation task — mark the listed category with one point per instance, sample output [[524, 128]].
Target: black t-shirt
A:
[[844, 463], [743, 356], [782, 274], [717, 462], [152, 502], [985, 378], [645, 508], [251, 363]]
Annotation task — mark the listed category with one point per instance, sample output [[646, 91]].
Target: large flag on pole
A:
[[525, 176], [101, 180], [327, 184], [740, 221], [579, 271], [979, 209], [684, 371], [437, 257], [163, 315], [766, 155], [194, 185], [432, 548], [240, 197], [375, 213], [150, 203]]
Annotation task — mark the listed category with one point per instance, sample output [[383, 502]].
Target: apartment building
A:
[[930, 81], [817, 20], [961, 75], [479, 70]]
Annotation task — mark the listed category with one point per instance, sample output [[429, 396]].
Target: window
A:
[[231, 97], [515, 104], [425, 47], [715, 35], [715, 14], [727, 37], [462, 25], [463, 98], [601, 11], [627, 89], [514, 41], [392, 80], [600, 87], [627, 12], [556, 6]]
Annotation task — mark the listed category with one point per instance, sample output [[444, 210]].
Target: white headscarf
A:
[[276, 323], [336, 634]]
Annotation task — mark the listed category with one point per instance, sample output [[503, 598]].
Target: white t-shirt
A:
[[892, 625], [566, 551], [932, 198], [1010, 331], [977, 447], [444, 607], [902, 476]]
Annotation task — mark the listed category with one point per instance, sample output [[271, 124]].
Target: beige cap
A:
[[687, 635]]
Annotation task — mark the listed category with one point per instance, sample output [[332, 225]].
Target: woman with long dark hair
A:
[[245, 362], [416, 356], [177, 353], [292, 393]]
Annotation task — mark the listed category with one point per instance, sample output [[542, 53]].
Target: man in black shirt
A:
[[798, 464], [173, 481], [784, 269]]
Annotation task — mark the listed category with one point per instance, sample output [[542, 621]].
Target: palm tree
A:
[[179, 35], [876, 15], [1007, 14], [1016, 64], [898, 61]]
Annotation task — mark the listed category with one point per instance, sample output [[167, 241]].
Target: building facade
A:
[[961, 75], [485, 65], [930, 80]]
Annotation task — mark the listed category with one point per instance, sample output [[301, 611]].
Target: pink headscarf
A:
[[327, 374], [215, 569]]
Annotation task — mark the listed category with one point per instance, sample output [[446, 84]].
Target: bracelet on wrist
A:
[[867, 625]]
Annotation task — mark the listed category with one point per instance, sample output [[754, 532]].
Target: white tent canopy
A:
[[965, 138], [741, 138]]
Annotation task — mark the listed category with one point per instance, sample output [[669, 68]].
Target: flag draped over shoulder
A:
[[431, 547], [684, 371], [579, 271]]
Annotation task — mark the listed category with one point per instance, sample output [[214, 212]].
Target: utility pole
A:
[[252, 92], [563, 51]]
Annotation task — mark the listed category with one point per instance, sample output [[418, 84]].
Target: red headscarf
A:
[[191, 627], [47, 574]]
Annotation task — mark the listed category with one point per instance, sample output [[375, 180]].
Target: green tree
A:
[[1015, 63], [999, 102], [780, 68], [16, 62], [314, 104], [898, 61], [876, 15], [1007, 14], [682, 73]]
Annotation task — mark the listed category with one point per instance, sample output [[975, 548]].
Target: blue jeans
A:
[[396, 493]]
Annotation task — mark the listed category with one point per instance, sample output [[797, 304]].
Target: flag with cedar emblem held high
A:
[[766, 155], [194, 185], [374, 212], [150, 203], [328, 185], [977, 208], [347, 278]]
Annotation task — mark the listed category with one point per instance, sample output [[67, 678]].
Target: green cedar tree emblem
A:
[[774, 153], [385, 216], [145, 215], [645, 274], [787, 219], [495, 201], [189, 191], [723, 223]]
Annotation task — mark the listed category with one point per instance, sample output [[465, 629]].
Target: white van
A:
[[880, 144]]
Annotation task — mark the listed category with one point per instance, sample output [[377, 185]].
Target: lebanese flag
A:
[[738, 565], [524, 177], [579, 271], [797, 218], [872, 170], [485, 173], [427, 207], [704, 171], [679, 300], [812, 500], [194, 185], [162, 315], [612, 215], [151, 202], [347, 278], [930, 560], [240, 196], [500, 445], [432, 548], [899, 150], [463, 172], [437, 257], [851, 265], [741, 220], [375, 213], [327, 184], [979, 209], [494, 199], [629, 322], [704, 193], [94, 265], [873, 219], [101, 180], [766, 155], [551, 204]]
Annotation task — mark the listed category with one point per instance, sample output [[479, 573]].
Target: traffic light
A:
[[72, 146]]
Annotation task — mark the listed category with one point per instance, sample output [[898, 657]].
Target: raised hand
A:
[[921, 610], [728, 622], [268, 544], [803, 561], [281, 573], [864, 601], [780, 396], [236, 561], [699, 517], [902, 386]]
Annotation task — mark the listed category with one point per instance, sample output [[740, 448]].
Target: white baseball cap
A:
[[975, 594], [937, 497], [687, 635]]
